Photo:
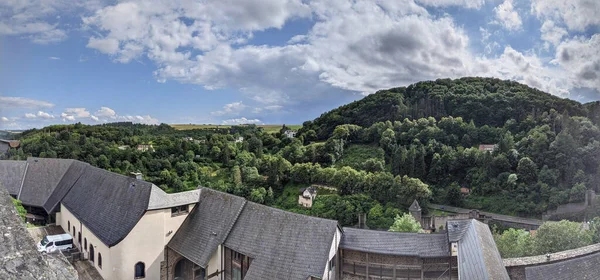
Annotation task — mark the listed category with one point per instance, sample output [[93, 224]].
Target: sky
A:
[[274, 61]]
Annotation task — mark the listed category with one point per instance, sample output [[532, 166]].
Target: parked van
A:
[[53, 243]]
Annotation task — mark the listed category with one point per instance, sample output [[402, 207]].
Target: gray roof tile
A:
[[396, 243], [207, 226], [283, 245], [109, 204], [11, 175], [76, 169], [585, 267], [43, 175], [478, 257]]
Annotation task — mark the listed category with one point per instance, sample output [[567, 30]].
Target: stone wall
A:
[[168, 265], [516, 266]]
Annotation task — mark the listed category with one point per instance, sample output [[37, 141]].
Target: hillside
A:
[[379, 153], [486, 101]]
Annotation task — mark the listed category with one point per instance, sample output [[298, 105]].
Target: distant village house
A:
[[488, 147], [145, 148], [290, 133], [306, 197]]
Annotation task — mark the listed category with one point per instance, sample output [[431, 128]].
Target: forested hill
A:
[[486, 101]]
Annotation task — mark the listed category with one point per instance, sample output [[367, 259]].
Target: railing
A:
[[396, 272]]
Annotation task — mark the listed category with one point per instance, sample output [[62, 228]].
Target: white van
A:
[[53, 243]]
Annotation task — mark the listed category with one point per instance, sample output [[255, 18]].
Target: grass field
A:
[[269, 128]]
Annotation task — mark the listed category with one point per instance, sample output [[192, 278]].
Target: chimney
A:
[[136, 175]]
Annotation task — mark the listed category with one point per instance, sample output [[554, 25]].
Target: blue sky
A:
[[274, 61]]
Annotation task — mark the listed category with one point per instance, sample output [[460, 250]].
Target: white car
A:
[[54, 243]]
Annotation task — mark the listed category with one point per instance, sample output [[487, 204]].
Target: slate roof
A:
[[43, 175], [282, 245], [585, 267], [396, 243], [415, 206], [109, 204], [207, 226], [11, 175], [478, 257], [76, 169], [159, 199]]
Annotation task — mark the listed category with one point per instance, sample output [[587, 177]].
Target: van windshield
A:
[[44, 241]]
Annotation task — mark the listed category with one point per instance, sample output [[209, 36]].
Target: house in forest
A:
[[488, 147], [290, 133], [306, 197], [145, 148]]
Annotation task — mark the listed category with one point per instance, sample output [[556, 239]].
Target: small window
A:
[[85, 243], [68, 224], [50, 244], [140, 270], [332, 263], [79, 238], [179, 210], [91, 253], [73, 231], [99, 260]]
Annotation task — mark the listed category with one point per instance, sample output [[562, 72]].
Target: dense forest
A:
[[373, 156]]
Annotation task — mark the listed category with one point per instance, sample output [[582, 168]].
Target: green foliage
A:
[[550, 237], [357, 155], [405, 223], [20, 209]]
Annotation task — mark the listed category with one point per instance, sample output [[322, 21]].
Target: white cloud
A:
[[507, 16], [4, 119], [44, 115], [575, 14], [77, 112], [7, 102], [473, 4], [53, 58], [106, 112], [241, 120], [230, 109], [30, 116], [552, 33], [580, 57], [107, 46], [66, 117], [94, 118], [147, 119]]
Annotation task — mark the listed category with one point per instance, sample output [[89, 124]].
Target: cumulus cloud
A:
[[77, 112], [507, 16], [44, 115], [4, 119], [580, 57], [30, 116], [552, 33], [473, 4], [146, 119], [22, 103], [230, 109], [575, 14], [241, 120], [106, 112]]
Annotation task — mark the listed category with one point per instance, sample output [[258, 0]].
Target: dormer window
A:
[[179, 210]]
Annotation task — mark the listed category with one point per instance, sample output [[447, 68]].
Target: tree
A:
[[373, 165], [559, 236], [454, 196], [514, 243], [527, 171], [406, 223], [258, 195], [237, 175]]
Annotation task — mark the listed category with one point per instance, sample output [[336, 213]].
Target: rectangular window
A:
[[332, 263], [199, 273], [237, 273], [179, 210]]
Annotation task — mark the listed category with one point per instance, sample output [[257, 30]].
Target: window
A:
[[85, 244], [237, 273], [91, 253], [178, 274], [68, 225], [73, 231], [179, 210], [99, 260], [79, 238], [140, 270]]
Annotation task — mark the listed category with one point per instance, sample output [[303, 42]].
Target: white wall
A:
[[145, 243], [214, 264], [332, 251], [99, 248]]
